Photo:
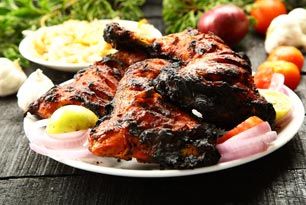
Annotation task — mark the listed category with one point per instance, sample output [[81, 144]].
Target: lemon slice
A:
[[280, 102], [71, 118]]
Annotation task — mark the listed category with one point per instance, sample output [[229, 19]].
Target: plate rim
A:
[[25, 45], [286, 134]]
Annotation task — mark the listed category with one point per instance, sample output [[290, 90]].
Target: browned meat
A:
[[123, 39], [143, 126], [93, 87], [206, 75]]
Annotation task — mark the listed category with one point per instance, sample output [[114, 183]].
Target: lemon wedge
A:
[[71, 118], [281, 102]]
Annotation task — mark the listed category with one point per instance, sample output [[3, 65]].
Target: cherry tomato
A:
[[264, 11], [288, 53], [289, 70]]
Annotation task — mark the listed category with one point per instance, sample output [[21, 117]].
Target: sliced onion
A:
[[255, 131], [38, 135], [69, 135], [77, 153], [247, 147], [278, 83]]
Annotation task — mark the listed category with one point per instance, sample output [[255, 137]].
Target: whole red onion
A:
[[229, 22]]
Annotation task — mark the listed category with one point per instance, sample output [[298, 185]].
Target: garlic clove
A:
[[34, 87], [11, 77]]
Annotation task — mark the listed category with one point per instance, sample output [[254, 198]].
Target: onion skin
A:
[[37, 135], [255, 131], [77, 153], [229, 22], [246, 147]]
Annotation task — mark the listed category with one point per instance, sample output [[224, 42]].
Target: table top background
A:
[[29, 178]]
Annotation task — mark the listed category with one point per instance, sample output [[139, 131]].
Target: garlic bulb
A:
[[34, 87], [287, 30], [11, 77]]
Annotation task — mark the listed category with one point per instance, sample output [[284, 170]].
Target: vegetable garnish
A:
[[72, 145], [265, 71], [71, 118], [245, 125], [281, 102], [247, 147], [39, 136], [248, 142], [263, 76]]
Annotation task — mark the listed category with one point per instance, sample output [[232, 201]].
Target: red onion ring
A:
[[247, 147], [38, 135], [77, 153]]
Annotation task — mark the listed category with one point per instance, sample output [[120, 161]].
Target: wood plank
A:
[[20, 161], [249, 187], [16, 158]]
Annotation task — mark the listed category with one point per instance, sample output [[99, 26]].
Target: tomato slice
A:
[[247, 124], [262, 77]]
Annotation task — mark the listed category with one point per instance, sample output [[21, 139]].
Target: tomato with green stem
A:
[[264, 11]]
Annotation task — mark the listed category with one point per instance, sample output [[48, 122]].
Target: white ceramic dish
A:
[[27, 49], [135, 169]]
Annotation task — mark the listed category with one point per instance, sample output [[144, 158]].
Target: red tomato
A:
[[288, 53], [247, 124], [264, 11], [263, 76], [289, 70]]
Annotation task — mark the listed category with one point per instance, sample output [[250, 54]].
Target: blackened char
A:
[[144, 126], [206, 75], [93, 87]]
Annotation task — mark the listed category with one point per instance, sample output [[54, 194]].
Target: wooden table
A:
[[29, 178]]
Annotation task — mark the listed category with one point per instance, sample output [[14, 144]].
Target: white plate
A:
[[135, 169], [27, 50]]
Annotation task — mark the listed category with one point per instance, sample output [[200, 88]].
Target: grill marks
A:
[[144, 126], [93, 87], [205, 75], [148, 116]]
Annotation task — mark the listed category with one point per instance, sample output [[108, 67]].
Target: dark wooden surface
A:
[[29, 178]]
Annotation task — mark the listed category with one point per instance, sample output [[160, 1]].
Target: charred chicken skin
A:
[[145, 127], [93, 87], [145, 103], [205, 75]]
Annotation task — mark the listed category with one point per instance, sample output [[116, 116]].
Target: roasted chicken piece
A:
[[93, 87], [145, 127], [205, 75]]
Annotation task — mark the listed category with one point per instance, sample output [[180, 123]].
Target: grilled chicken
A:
[[205, 75], [93, 87], [145, 127]]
